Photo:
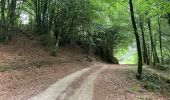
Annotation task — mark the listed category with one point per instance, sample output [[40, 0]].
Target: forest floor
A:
[[28, 72]]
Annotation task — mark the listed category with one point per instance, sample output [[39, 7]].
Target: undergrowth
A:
[[2, 68], [154, 81]]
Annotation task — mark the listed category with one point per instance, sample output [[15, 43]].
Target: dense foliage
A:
[[102, 27]]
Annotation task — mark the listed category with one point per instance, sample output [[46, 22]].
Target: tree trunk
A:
[[12, 13], [149, 54], [44, 15], [36, 12], [169, 18], [139, 75], [160, 40], [2, 12], [38, 15], [153, 47], [145, 52]]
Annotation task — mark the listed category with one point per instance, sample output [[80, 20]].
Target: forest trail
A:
[[32, 74], [99, 82], [76, 86]]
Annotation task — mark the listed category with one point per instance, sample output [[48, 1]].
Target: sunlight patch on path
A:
[[55, 89]]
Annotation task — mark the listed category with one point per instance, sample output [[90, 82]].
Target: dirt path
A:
[[97, 82], [85, 91], [79, 84], [54, 90], [100, 82]]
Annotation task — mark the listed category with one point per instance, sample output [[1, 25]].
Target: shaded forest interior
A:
[[105, 28]]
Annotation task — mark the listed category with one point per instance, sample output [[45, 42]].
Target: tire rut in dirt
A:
[[71, 89], [55, 89], [85, 91]]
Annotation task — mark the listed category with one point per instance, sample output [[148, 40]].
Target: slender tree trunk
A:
[[151, 40], [3, 12], [12, 13], [44, 15], [145, 52], [38, 15], [149, 54], [169, 18], [139, 75], [153, 47], [36, 11], [160, 40]]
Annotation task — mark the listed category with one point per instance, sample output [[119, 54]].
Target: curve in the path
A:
[[54, 90], [77, 86]]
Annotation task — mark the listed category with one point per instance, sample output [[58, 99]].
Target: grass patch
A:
[[3, 68], [134, 89], [156, 81]]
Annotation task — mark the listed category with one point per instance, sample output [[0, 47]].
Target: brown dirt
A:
[[71, 89], [118, 83], [30, 69]]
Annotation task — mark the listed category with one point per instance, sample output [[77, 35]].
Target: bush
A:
[[49, 41], [106, 42], [102, 42], [4, 36], [162, 67], [2, 68], [155, 83], [167, 61]]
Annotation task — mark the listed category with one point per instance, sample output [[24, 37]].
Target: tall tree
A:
[[2, 12], [160, 39], [12, 15], [139, 75], [168, 18], [145, 52], [153, 45]]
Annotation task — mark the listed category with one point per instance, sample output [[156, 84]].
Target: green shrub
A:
[[2, 68], [5, 36], [162, 67], [154, 83], [167, 61], [105, 42], [49, 41]]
